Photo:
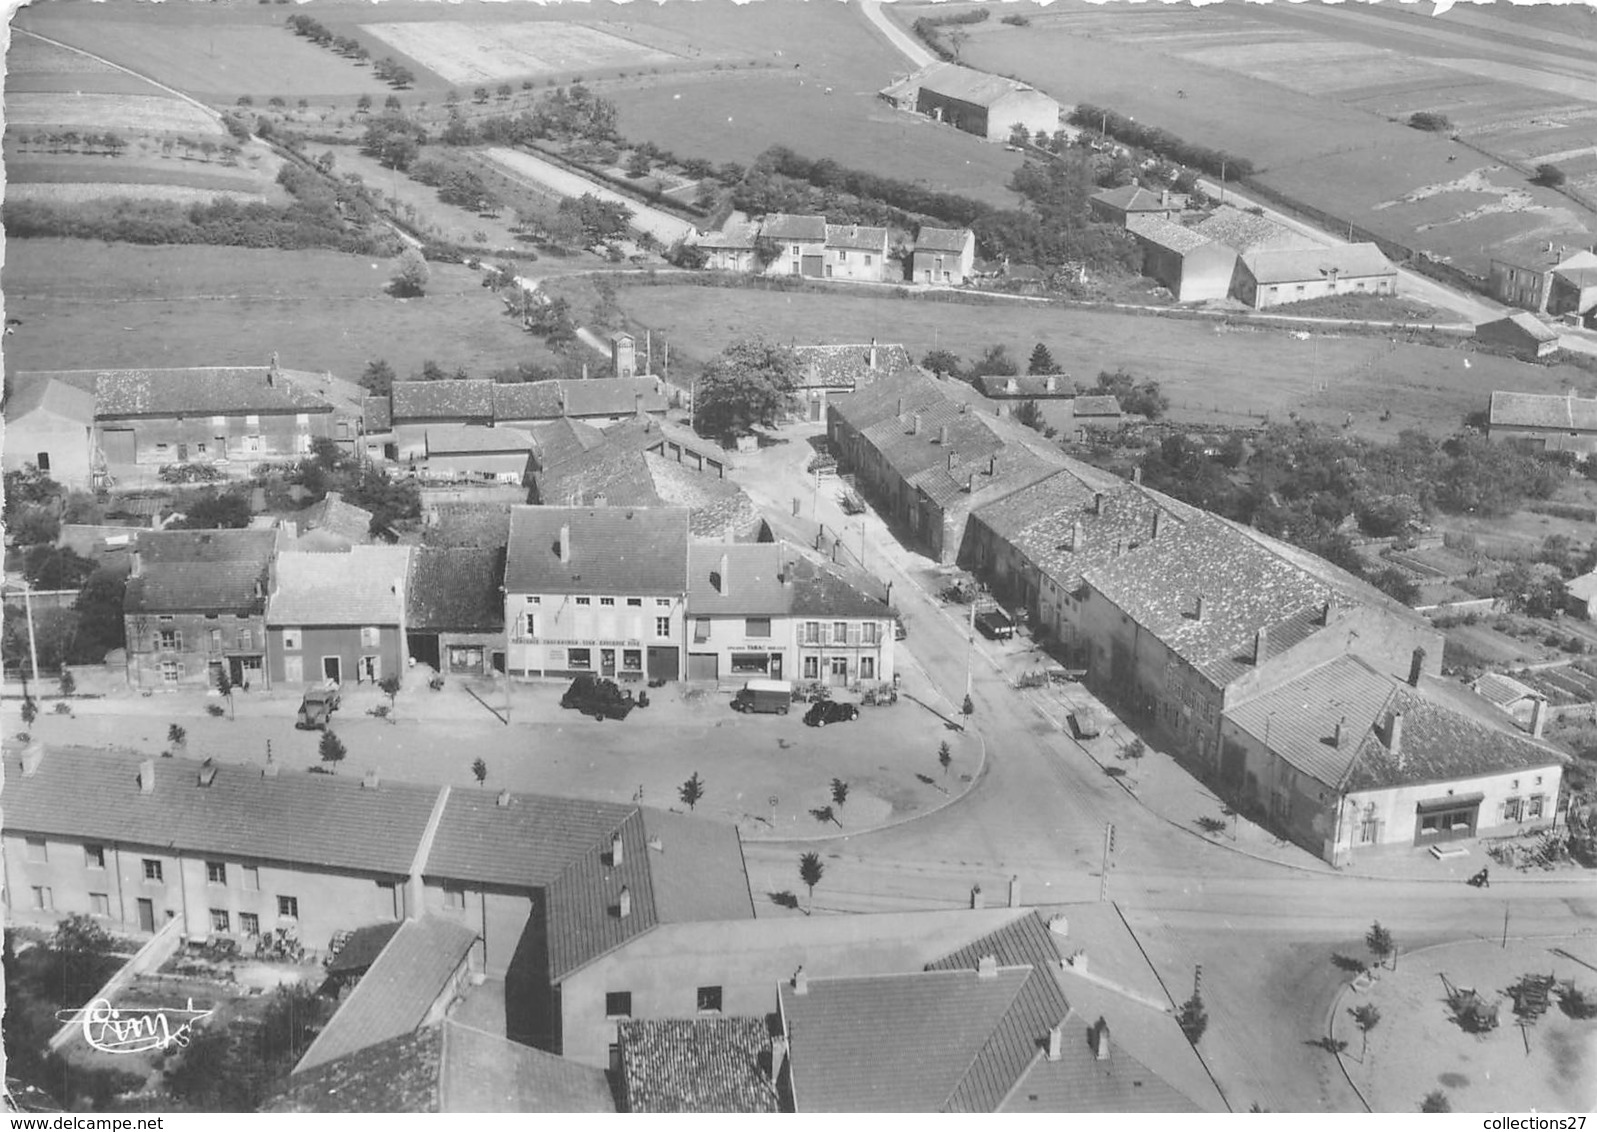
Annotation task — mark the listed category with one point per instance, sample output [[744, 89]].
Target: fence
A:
[[1459, 608], [44, 599]]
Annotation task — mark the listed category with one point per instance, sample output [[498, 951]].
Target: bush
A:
[[1549, 176], [1430, 121]]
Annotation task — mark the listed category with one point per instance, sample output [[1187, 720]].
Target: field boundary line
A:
[[211, 112]]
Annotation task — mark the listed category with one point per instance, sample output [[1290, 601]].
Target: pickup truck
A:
[[317, 707], [996, 625]]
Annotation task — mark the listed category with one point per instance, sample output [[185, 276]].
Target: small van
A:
[[773, 697]]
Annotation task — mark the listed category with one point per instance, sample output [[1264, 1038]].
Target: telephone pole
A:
[[1108, 851]]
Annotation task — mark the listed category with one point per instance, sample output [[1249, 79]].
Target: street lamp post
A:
[[1222, 180]]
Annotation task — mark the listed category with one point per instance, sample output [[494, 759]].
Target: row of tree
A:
[[1126, 129]]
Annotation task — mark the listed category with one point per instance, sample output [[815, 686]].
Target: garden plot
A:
[[146, 113], [55, 192], [465, 53]]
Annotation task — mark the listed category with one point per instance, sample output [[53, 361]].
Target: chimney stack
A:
[[987, 967], [1011, 385], [1416, 668], [900, 407], [1136, 475], [950, 463], [1097, 503], [726, 577], [1156, 516], [942, 436], [32, 756], [1014, 892], [1394, 738], [503, 800], [914, 425], [873, 354], [1050, 384], [1336, 736], [1100, 1040], [617, 853], [1327, 611], [147, 776], [970, 482], [1261, 645], [626, 902], [1197, 609], [992, 464], [370, 780], [565, 543], [977, 899], [1056, 1043], [801, 981], [1075, 536], [1538, 716]]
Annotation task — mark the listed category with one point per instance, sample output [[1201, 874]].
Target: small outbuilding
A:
[[1522, 333]]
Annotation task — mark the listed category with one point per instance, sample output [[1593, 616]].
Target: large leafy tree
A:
[[751, 383], [99, 606], [55, 567]]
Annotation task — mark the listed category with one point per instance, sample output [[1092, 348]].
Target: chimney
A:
[[1261, 645], [1056, 1043], [1416, 668], [1538, 716], [601, 500], [207, 773], [565, 543], [503, 800], [1136, 475], [32, 756], [1336, 735], [1164, 198], [1059, 925], [147, 776], [1197, 609], [1100, 1040], [1327, 611], [271, 370], [1011, 386], [584, 371], [987, 967], [977, 899], [801, 981], [900, 407], [970, 482], [964, 407], [1050, 384], [625, 902], [370, 781], [617, 853], [726, 578], [637, 403], [873, 354], [914, 425], [137, 566], [269, 770], [1078, 961], [992, 464], [942, 435], [657, 845], [950, 463], [1014, 892], [1097, 503], [1075, 536], [1156, 516], [1394, 737]]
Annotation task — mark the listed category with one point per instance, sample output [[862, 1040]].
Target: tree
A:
[[224, 685], [56, 568], [1549, 175], [639, 165], [1194, 1020], [410, 275], [839, 792], [30, 711], [943, 363], [213, 510], [85, 949], [504, 92], [67, 682], [178, 736], [1366, 1018], [691, 792], [1019, 135], [750, 383], [810, 872], [1430, 121], [378, 378], [825, 814], [479, 770], [1396, 584], [363, 103], [1041, 360], [996, 362], [1380, 942], [969, 706], [390, 686], [1436, 1101], [1029, 413], [391, 103], [945, 758], [332, 748]]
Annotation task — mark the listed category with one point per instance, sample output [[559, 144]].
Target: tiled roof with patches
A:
[[696, 1065], [902, 392], [1526, 323], [734, 235], [377, 414], [397, 992], [1345, 260], [943, 239], [1167, 234], [1134, 198], [852, 237], [674, 869], [620, 475], [826, 591], [526, 401], [554, 442], [1502, 690], [1542, 410], [845, 366], [474, 440], [1096, 405], [784, 226], [361, 586], [449, 400], [1244, 231], [455, 590], [399, 1074], [639, 550], [204, 390], [202, 571], [715, 504], [335, 515], [1027, 385], [613, 396], [291, 817], [362, 948]]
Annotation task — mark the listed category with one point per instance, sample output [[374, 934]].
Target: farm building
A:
[[1522, 333], [1096, 410], [1349, 758], [49, 423], [454, 615], [472, 452], [1580, 594], [420, 405], [1547, 280], [1119, 205], [1525, 705], [989, 106], [1544, 422], [835, 370], [853, 252], [731, 248], [799, 243], [1249, 232], [1573, 292], [1027, 387], [943, 255], [1268, 279], [1193, 267]]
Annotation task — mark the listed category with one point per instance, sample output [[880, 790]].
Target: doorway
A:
[[607, 663], [333, 669], [839, 670], [369, 669], [146, 915], [776, 666]]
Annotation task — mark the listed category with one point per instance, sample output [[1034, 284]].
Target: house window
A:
[[1513, 809], [171, 670], [221, 920], [252, 878], [709, 999], [618, 1004], [584, 601], [215, 872], [288, 907], [152, 869], [581, 658], [532, 624], [215, 640], [842, 257], [867, 259], [252, 444], [812, 668], [662, 626], [812, 632], [662, 603], [454, 898], [249, 923], [163, 449], [603, 601], [867, 668], [756, 626], [840, 632], [632, 659], [302, 419], [218, 422], [291, 640], [868, 633], [94, 856], [170, 640], [701, 628], [534, 599], [370, 635], [252, 420], [38, 849], [635, 602], [43, 899], [1533, 808], [99, 904], [246, 639], [795, 249]]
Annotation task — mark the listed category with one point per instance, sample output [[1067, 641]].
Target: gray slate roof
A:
[[751, 585], [525, 844], [967, 85], [1542, 410], [632, 550], [201, 571], [1348, 261], [203, 391], [451, 400], [942, 239], [784, 226], [361, 586], [455, 590]]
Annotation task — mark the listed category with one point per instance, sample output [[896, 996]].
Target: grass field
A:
[[85, 304], [1212, 376], [89, 111], [468, 53]]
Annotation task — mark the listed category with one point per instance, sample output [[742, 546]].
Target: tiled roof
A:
[[1345, 260], [976, 477], [109, 545], [942, 239], [1583, 588], [823, 591], [620, 475], [50, 395], [675, 869], [1080, 1082], [377, 414], [1096, 405], [525, 844], [1027, 385], [1167, 234], [202, 571], [851, 237], [613, 396], [450, 400], [750, 587], [207, 390], [1244, 231], [292, 817], [714, 504], [848, 366], [341, 518], [734, 235], [975, 87], [696, 1065], [361, 586], [638, 550], [1134, 198], [783, 226], [526, 401], [456, 590], [396, 994], [396, 1075], [1543, 410], [1502, 690], [556, 441], [453, 439], [1440, 741], [881, 400], [1525, 322], [362, 948]]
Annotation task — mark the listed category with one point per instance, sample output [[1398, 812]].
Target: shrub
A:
[[1430, 121], [1549, 176]]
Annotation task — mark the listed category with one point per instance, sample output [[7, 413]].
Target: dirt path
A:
[[662, 226]]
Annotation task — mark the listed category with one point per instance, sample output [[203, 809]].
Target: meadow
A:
[[94, 111], [467, 53], [1213, 373]]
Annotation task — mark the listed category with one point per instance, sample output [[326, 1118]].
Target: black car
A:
[[602, 699], [996, 625], [826, 711]]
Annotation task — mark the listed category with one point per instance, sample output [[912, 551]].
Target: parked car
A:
[[899, 629], [772, 697], [317, 706], [996, 625], [602, 699], [1084, 722], [830, 711]]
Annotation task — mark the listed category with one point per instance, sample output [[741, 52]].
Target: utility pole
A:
[[1222, 180], [1108, 851], [33, 650], [1197, 981], [862, 544], [1505, 927], [970, 646]]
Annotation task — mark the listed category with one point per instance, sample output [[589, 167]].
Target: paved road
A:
[[907, 44], [661, 225]]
